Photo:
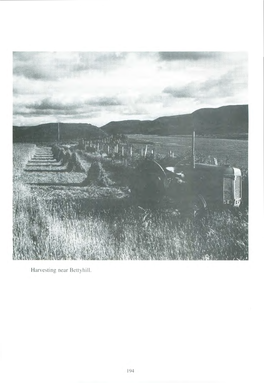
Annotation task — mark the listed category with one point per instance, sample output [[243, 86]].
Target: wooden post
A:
[[193, 150], [146, 151]]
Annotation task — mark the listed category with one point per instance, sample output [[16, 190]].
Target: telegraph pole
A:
[[58, 131], [193, 150]]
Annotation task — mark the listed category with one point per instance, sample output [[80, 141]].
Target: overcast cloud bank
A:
[[101, 87]]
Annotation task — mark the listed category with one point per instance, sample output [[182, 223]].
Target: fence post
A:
[[146, 151]]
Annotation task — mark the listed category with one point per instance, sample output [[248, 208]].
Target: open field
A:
[[234, 152], [58, 215]]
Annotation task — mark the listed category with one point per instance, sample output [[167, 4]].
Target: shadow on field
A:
[[46, 170], [81, 184], [97, 202], [40, 164], [42, 161]]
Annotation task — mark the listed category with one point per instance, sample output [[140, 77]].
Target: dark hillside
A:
[[49, 132], [226, 121]]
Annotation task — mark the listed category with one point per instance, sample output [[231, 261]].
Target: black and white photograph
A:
[[130, 155], [131, 191]]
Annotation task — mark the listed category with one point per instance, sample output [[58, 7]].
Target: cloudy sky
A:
[[99, 87]]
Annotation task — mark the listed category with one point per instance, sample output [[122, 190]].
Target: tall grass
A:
[[28, 217], [61, 230], [22, 153], [78, 227]]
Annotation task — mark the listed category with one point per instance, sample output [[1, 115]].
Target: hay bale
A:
[[70, 166], [61, 154], [78, 166], [66, 157], [55, 150], [97, 176], [74, 163]]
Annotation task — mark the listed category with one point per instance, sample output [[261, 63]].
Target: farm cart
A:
[[191, 188]]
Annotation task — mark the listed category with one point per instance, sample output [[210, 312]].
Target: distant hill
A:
[[49, 132], [226, 121]]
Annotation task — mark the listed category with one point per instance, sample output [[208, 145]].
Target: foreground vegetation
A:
[[61, 215]]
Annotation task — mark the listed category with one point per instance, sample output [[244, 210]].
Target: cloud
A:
[[106, 86], [56, 105], [34, 66], [181, 92], [58, 65], [193, 56], [70, 109], [226, 85], [110, 59], [104, 101], [48, 104]]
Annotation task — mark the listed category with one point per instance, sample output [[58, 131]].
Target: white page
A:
[[181, 322]]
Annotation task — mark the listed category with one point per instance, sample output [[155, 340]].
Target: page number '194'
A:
[[130, 370]]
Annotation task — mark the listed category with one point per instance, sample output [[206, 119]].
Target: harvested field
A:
[[85, 211]]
